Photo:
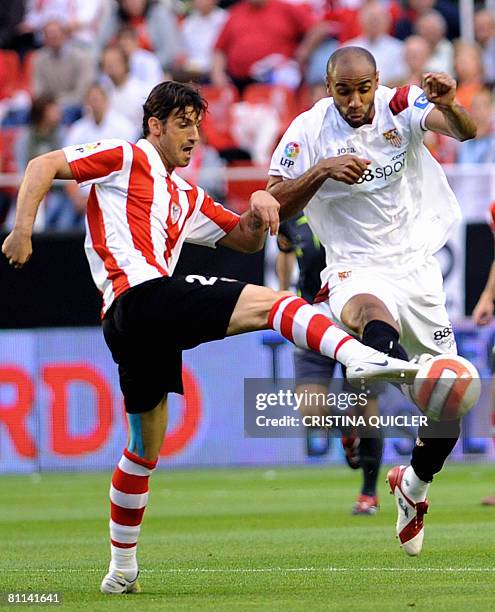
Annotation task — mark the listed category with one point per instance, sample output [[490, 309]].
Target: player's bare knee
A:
[[362, 309], [253, 308], [269, 302]]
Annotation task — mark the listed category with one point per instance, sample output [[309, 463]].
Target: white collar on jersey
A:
[[156, 162]]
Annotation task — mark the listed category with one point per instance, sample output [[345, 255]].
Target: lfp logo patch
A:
[[292, 150], [421, 101]]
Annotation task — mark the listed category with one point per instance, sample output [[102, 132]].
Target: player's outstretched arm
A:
[[249, 234], [36, 183], [483, 311], [448, 117], [294, 194]]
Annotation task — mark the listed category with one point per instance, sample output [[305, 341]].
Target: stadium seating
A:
[[10, 73]]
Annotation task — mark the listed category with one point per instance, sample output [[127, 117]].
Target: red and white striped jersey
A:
[[138, 216]]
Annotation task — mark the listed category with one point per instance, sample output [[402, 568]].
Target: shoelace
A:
[[421, 510]]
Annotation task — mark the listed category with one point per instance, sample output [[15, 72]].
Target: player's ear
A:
[[327, 85], [155, 126], [377, 77]]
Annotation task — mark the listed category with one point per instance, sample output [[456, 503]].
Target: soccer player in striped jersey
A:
[[139, 214], [381, 206]]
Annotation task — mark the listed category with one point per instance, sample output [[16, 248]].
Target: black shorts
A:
[[149, 326]]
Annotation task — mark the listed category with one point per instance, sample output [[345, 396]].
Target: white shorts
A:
[[416, 301]]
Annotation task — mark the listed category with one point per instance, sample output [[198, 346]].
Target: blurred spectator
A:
[[143, 65], [259, 42], [416, 55], [83, 17], [468, 71], [413, 9], [341, 19], [481, 149], [200, 31], [484, 29], [127, 95], [44, 134], [155, 24], [11, 17], [100, 121], [388, 51], [62, 70], [432, 27]]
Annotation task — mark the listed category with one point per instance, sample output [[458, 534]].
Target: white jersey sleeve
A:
[[97, 162], [418, 107], [293, 155]]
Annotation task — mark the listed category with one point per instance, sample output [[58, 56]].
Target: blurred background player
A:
[[312, 371], [483, 315], [357, 165]]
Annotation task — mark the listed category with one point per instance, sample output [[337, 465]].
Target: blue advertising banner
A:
[[61, 407]]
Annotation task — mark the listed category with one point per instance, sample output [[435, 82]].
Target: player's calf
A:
[[129, 496]]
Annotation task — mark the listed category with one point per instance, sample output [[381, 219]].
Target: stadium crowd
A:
[[79, 71]]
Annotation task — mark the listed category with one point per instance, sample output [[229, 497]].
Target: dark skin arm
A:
[[294, 194], [448, 117]]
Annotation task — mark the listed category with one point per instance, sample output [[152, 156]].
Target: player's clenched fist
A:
[[439, 88], [17, 248], [344, 168]]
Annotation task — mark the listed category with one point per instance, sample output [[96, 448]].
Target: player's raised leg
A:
[[129, 496], [295, 319]]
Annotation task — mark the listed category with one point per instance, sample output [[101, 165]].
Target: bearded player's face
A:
[[353, 87], [179, 136]]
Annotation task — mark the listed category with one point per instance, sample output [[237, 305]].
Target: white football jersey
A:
[[378, 221]]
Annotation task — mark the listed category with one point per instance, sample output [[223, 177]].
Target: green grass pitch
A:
[[252, 539]]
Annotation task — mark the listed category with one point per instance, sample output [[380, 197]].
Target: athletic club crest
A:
[[175, 213], [393, 137]]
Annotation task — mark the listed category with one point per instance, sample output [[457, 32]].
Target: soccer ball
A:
[[447, 387]]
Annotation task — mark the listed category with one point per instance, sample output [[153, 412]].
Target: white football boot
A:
[[379, 366], [410, 527], [116, 583]]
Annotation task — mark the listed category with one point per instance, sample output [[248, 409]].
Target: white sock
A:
[[303, 325], [124, 560], [414, 487]]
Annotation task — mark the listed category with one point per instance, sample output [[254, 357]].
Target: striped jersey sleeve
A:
[[95, 162], [211, 223]]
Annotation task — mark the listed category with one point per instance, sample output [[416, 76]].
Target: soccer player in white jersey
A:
[[381, 206], [139, 214]]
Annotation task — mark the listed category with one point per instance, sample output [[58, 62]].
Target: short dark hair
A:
[[350, 52], [39, 106], [170, 96]]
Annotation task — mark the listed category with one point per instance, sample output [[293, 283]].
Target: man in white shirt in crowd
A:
[[432, 27], [143, 65], [126, 94], [99, 122], [387, 50], [200, 31]]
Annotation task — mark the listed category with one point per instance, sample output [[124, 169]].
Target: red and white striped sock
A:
[[303, 325], [128, 499]]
